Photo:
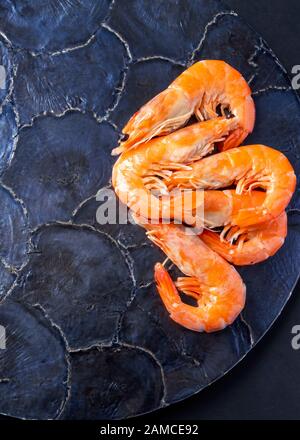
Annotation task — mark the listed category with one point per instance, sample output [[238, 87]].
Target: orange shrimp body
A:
[[145, 168], [249, 167], [201, 90], [249, 246], [221, 207], [215, 284]]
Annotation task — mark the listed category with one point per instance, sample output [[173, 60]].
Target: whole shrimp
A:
[[215, 284], [249, 167], [206, 89], [143, 169]]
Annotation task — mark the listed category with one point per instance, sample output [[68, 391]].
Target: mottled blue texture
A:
[[71, 277], [59, 162], [34, 367], [86, 78], [88, 336], [51, 25], [14, 231]]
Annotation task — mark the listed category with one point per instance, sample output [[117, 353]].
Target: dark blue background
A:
[[266, 384]]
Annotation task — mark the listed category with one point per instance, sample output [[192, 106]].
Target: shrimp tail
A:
[[166, 288], [214, 284], [199, 90]]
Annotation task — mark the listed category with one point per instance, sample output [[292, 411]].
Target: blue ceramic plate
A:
[[86, 333]]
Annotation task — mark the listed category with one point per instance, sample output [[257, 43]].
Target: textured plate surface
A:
[[86, 333]]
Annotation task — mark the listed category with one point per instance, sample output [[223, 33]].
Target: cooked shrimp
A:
[[202, 90], [215, 284], [250, 167], [250, 245], [221, 207], [143, 169]]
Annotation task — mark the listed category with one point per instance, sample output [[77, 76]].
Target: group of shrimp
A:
[[245, 190]]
